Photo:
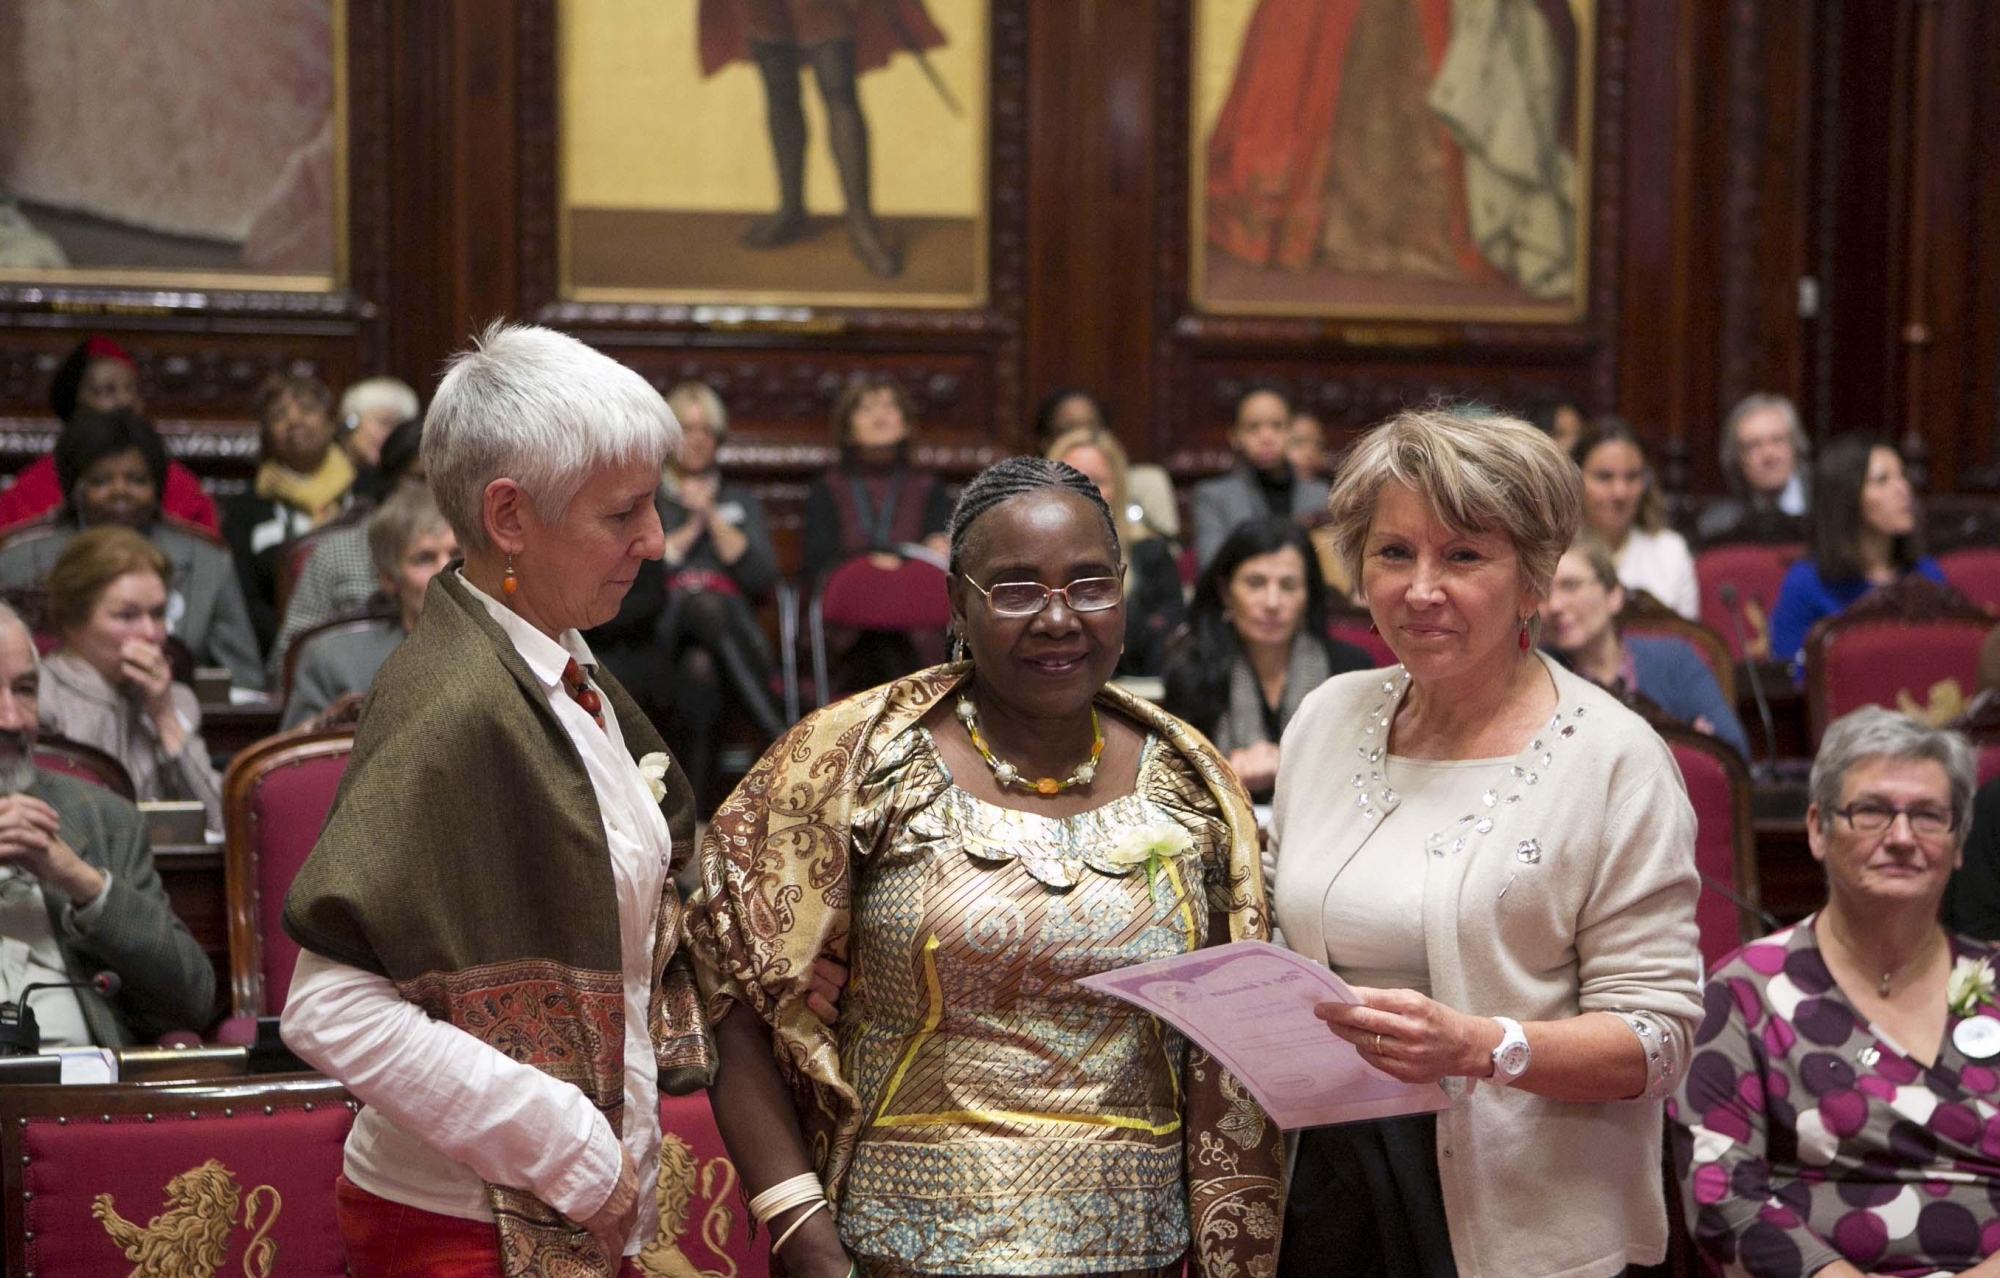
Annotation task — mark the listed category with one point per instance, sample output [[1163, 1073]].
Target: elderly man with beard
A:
[[78, 891]]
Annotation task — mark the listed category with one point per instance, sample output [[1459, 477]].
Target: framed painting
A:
[[1391, 159], [816, 153], [174, 144]]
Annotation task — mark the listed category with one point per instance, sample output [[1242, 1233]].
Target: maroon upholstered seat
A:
[[1718, 785], [1645, 615], [275, 798], [1754, 570], [1354, 628], [1913, 646], [188, 1178], [861, 595], [704, 1228], [1975, 571], [84, 762]]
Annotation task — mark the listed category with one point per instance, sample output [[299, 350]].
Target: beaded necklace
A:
[[1007, 774]]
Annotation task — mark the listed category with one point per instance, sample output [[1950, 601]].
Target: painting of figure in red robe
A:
[[1392, 159], [822, 152], [174, 143]]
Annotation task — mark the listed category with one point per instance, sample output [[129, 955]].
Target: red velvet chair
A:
[[704, 1227], [858, 595], [1975, 570], [275, 798], [1645, 615], [193, 1179], [1755, 570], [84, 762], [1913, 646], [1725, 844], [1355, 626]]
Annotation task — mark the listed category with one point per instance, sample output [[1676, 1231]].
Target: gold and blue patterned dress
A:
[[1013, 1122]]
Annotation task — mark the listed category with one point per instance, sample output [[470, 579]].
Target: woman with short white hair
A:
[[369, 410], [1499, 858], [487, 921]]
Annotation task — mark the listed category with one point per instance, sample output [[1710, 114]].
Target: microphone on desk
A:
[[1768, 769], [1741, 902], [20, 1035]]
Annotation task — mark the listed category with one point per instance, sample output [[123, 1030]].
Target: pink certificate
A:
[[1250, 1003]]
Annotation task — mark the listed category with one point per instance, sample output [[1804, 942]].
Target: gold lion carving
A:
[[190, 1239], [679, 1175]]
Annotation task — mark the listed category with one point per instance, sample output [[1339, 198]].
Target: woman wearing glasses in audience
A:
[[1838, 1116], [973, 838]]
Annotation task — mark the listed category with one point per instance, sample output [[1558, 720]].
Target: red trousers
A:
[[391, 1240]]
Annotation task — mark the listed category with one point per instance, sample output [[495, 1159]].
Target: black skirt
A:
[[1365, 1200]]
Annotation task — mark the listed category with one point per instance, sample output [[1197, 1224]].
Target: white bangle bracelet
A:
[[793, 1228], [785, 1195]]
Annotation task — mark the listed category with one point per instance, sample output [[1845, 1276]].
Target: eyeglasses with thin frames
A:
[[1027, 598], [1875, 818]]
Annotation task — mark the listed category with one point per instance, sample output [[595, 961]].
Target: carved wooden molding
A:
[[1745, 147], [993, 333], [22, 439], [225, 377]]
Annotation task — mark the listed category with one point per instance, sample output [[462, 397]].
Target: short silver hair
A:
[[1874, 732], [704, 394], [379, 393], [1731, 455], [540, 408]]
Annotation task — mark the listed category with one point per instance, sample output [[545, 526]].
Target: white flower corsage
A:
[[653, 767], [1147, 846], [1970, 985]]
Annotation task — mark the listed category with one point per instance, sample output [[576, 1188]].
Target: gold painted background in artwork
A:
[[641, 128]]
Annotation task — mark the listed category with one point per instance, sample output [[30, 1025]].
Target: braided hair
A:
[[1015, 477]]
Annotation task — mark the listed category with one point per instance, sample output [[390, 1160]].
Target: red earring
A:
[[1524, 635], [510, 583]]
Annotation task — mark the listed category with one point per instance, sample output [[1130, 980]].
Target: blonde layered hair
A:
[[1479, 472], [1121, 466]]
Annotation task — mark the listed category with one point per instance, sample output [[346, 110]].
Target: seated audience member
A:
[[339, 573], [78, 891], [1764, 455], [369, 411], [686, 629], [1560, 420], [1865, 534], [870, 503], [1835, 1118], [1305, 447], [1148, 488], [1154, 609], [109, 683], [1262, 482], [98, 374], [1621, 504], [302, 482], [109, 465], [408, 542], [1580, 621], [1256, 645]]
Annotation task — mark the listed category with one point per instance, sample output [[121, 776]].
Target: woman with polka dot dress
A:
[[1841, 1113]]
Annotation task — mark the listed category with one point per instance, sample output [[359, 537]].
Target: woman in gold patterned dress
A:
[[972, 839]]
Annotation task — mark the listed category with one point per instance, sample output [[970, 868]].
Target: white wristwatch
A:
[[1510, 1059]]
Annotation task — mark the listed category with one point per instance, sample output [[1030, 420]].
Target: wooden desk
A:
[[192, 876], [228, 729], [1788, 711]]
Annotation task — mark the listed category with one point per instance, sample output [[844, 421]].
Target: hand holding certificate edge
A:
[[1411, 1037], [1252, 1006]]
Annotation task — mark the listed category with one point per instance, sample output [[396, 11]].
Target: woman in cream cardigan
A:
[[1500, 858]]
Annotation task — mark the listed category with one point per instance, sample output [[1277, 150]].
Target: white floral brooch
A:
[[653, 767], [1145, 846], [1971, 984]]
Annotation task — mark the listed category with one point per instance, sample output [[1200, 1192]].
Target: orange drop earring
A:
[[510, 583]]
